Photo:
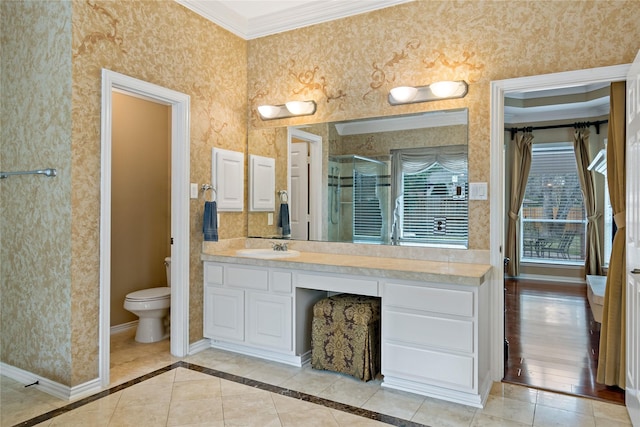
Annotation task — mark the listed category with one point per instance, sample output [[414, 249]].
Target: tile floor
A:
[[218, 388]]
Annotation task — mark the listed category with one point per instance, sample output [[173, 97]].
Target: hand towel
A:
[[210, 222], [283, 220]]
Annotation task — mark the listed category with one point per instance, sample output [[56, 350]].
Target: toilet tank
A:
[[167, 264]]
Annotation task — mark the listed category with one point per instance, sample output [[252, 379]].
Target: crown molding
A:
[[297, 16]]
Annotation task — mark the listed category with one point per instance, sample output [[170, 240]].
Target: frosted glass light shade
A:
[[404, 93], [269, 111], [300, 107], [445, 89]]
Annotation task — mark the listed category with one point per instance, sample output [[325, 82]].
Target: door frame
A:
[[180, 170], [315, 177], [500, 88]]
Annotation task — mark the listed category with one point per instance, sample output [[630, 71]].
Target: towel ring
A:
[[206, 187], [284, 197]]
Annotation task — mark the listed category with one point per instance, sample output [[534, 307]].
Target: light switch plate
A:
[[478, 191], [194, 190], [270, 218]]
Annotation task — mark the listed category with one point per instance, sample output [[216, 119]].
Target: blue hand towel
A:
[[210, 222], [283, 220]]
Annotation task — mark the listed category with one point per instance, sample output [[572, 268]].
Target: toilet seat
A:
[[152, 294]]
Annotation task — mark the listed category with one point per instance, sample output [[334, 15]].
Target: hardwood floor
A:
[[553, 339]]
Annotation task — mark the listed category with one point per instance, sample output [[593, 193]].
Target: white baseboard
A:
[[199, 346], [124, 327], [51, 387]]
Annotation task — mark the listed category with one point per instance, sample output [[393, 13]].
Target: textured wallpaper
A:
[[35, 211], [348, 66], [168, 45], [52, 56]]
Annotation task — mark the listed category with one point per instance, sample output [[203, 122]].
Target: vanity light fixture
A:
[[290, 109], [433, 92]]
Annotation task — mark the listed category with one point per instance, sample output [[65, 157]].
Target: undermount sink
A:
[[267, 253]]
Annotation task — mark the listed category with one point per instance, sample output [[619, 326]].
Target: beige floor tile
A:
[[515, 392], [612, 412], [146, 394], [106, 405], [606, 422], [564, 402], [273, 373], [486, 420], [316, 417], [248, 405], [82, 419], [230, 388], [509, 409], [310, 381], [151, 415], [289, 404], [187, 412], [345, 419], [439, 413], [200, 389], [395, 403], [553, 417], [350, 391], [183, 374], [268, 420]]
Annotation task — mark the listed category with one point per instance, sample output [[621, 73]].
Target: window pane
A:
[[553, 217], [435, 207]]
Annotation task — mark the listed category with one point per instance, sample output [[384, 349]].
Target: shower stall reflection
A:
[[358, 199]]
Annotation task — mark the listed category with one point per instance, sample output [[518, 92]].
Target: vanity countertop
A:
[[393, 268]]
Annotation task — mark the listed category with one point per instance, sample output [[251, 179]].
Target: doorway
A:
[[179, 105], [499, 90], [310, 186]]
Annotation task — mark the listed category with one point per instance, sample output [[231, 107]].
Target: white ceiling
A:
[[251, 19]]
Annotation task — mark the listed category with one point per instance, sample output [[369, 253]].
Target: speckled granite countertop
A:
[[393, 268]]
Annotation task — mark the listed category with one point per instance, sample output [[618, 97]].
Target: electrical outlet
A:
[[194, 190], [270, 218]]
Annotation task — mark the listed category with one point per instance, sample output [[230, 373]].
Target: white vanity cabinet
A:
[[435, 322], [435, 340], [250, 310]]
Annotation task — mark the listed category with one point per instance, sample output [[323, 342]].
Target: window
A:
[[432, 206], [553, 222]]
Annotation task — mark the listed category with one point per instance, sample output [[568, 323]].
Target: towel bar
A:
[[47, 172]]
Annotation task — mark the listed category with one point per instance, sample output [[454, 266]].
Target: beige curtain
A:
[[611, 363], [520, 159], [593, 258]]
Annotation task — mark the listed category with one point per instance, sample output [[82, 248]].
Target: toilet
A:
[[152, 308]]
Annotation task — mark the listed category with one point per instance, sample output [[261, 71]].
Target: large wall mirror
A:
[[395, 180]]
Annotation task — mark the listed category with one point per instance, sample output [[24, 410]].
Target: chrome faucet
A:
[[280, 247]]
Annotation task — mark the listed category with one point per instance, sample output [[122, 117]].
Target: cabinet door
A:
[[269, 320], [223, 313]]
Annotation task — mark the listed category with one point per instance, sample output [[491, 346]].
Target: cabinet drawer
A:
[[429, 331], [435, 300], [281, 282], [248, 278], [212, 274], [428, 366], [338, 284]]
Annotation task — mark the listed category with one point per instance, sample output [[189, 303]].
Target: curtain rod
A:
[[566, 125]]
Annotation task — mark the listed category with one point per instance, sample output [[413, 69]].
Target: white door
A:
[[633, 241], [299, 200]]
